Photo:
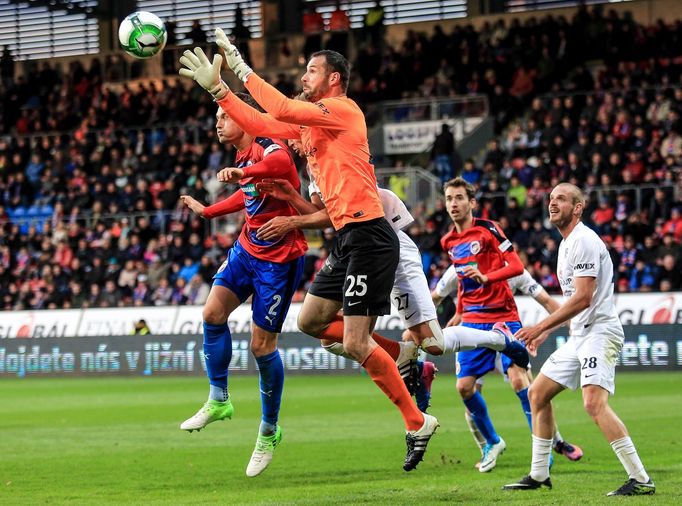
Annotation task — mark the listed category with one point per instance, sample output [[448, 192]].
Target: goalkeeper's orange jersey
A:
[[334, 135]]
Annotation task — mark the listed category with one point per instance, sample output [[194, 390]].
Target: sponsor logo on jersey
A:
[[584, 267], [250, 190], [504, 246], [322, 107]]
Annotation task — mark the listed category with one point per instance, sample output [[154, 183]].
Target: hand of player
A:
[[454, 321], [472, 272], [276, 227], [531, 336], [233, 58], [194, 205], [204, 72], [533, 346], [280, 189], [230, 175]]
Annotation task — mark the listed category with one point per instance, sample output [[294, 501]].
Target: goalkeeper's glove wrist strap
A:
[[219, 91]]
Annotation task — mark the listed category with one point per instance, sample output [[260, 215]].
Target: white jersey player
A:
[[588, 358]]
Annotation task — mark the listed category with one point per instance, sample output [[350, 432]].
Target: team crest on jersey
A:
[[475, 247]]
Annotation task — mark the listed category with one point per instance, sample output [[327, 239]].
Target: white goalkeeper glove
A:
[[207, 74], [233, 59]]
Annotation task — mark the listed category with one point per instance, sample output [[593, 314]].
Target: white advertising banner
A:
[[417, 136], [633, 309], [121, 321], [39, 324]]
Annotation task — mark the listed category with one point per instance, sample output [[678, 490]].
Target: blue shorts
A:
[[481, 361], [271, 284]]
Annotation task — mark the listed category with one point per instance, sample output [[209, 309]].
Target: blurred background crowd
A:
[[90, 175]]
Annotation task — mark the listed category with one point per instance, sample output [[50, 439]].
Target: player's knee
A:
[[261, 347], [519, 381], [536, 398], [594, 406], [466, 390], [214, 315], [354, 350], [308, 325]]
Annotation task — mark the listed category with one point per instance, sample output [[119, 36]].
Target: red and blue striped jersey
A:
[[484, 246], [265, 158]]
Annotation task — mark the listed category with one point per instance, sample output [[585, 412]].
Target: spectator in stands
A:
[[443, 152], [242, 35], [674, 225], [197, 34], [374, 25], [670, 271], [313, 26], [7, 67], [339, 26], [196, 291]]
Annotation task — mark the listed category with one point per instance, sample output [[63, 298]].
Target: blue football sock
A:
[[421, 395], [271, 384], [479, 414], [217, 354], [525, 404]]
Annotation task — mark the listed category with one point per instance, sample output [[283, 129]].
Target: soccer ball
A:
[[142, 34]]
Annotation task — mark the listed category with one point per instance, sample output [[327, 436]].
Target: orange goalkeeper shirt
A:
[[334, 135]]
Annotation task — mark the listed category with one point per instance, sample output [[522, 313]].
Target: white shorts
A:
[[411, 295], [587, 360]]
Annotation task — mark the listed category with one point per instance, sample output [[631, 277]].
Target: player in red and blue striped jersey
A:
[[269, 271], [483, 259]]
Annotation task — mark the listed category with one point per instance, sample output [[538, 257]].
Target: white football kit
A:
[[589, 355], [410, 294]]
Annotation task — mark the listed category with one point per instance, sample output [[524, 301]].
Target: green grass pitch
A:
[[117, 441]]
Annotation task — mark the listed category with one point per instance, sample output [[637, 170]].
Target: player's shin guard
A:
[[217, 355], [435, 345], [271, 371], [381, 368], [475, 433], [539, 467], [627, 454], [464, 338], [338, 350]]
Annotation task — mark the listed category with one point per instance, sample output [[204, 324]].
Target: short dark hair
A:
[[336, 62], [245, 97], [460, 182]]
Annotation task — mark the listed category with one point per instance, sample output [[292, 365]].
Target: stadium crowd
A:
[[90, 216]]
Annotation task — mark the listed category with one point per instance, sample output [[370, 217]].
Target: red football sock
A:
[[385, 374], [334, 332]]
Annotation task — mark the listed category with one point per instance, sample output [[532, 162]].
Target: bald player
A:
[[588, 358]]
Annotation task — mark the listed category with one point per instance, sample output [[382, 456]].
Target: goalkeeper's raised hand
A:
[[233, 58], [207, 74]]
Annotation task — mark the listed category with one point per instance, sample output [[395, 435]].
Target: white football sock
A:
[[539, 466], [218, 393], [557, 435], [478, 437], [627, 454], [460, 338]]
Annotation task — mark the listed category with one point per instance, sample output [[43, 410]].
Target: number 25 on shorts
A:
[[356, 285]]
